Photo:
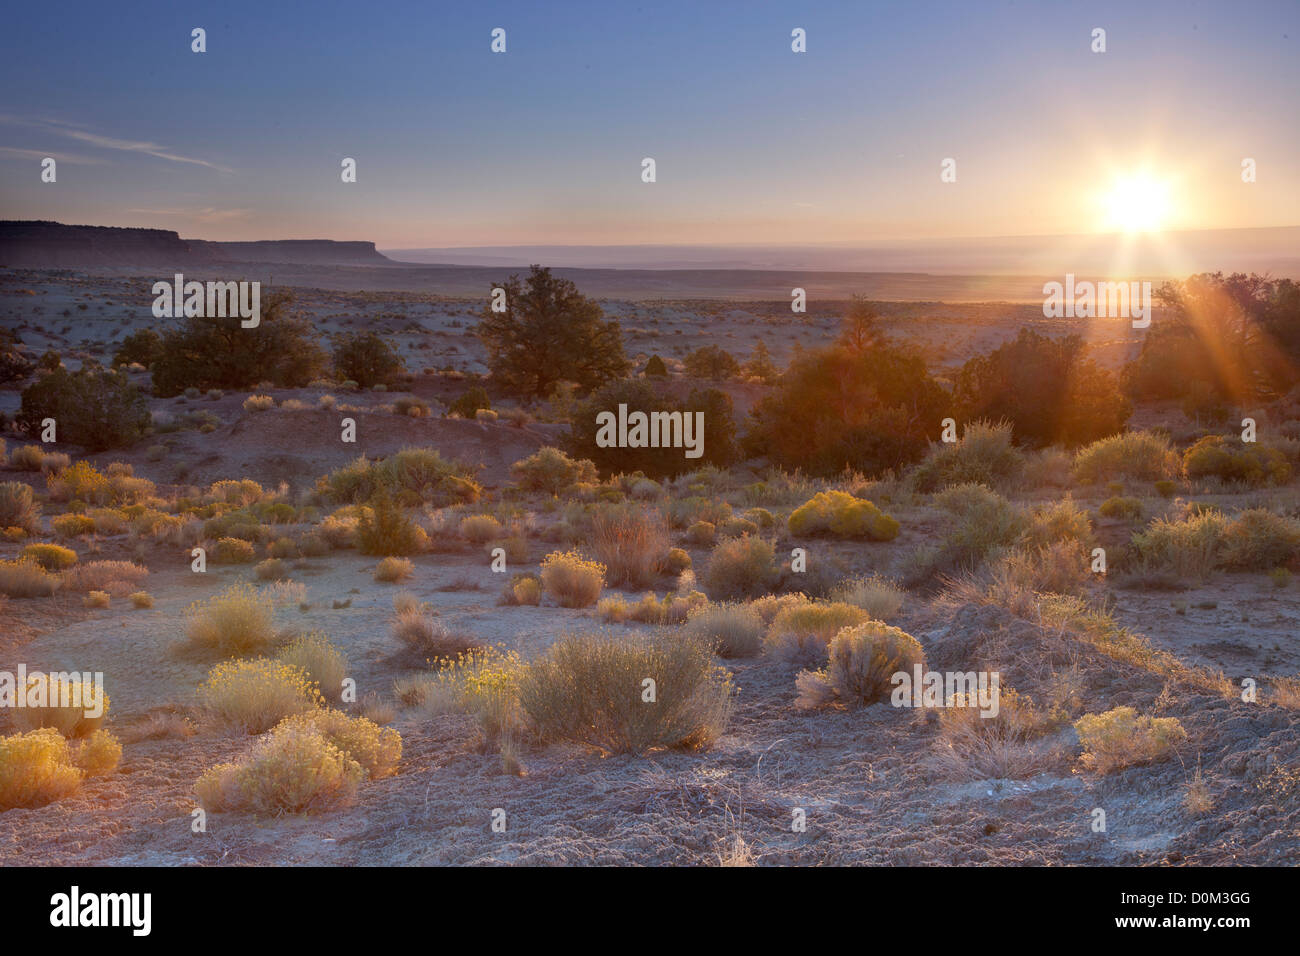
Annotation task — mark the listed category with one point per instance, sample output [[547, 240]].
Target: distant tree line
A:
[[863, 402]]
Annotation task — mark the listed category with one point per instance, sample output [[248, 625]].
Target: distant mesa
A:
[[53, 245], [303, 251]]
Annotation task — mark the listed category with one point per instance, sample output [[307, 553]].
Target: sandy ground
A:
[[865, 778]]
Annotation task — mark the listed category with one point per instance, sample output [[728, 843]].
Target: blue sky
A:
[[753, 143]]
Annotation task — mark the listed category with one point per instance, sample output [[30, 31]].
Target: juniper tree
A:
[[549, 332], [366, 358], [760, 364]]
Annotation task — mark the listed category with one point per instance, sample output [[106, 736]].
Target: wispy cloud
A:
[[82, 135], [39, 154]]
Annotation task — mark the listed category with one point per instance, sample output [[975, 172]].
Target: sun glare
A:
[[1137, 203]]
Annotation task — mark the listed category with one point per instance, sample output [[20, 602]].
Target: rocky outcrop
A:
[[52, 245], [300, 251]]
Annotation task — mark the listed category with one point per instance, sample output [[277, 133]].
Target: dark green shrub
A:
[[470, 402], [217, 352], [93, 407], [141, 347], [366, 358]]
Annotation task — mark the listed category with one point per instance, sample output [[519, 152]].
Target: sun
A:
[[1137, 203]]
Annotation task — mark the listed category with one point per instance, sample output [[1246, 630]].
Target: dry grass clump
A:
[[841, 515], [770, 605], [412, 476], [1141, 456], [104, 575], [986, 523], [632, 543], [82, 482], [480, 529], [237, 621], [174, 530], [985, 455], [1061, 568], [61, 702], [22, 579], [1197, 798], [701, 533], [233, 551], [515, 547], [735, 527], [320, 660], [421, 634], [339, 530], [879, 597], [1193, 546], [1285, 692], [741, 567], [97, 599], [1121, 738], [272, 569], [1258, 540], [1047, 468], [551, 471], [376, 709], [252, 696], [72, 525], [627, 696], [801, 633], [296, 769], [732, 630], [282, 548], [50, 557], [523, 588], [572, 579], [258, 403], [377, 749], [36, 458], [141, 600], [1233, 461], [736, 853], [35, 769], [313, 544], [163, 725], [99, 754], [108, 520], [411, 407], [1121, 509], [1004, 745], [393, 570], [286, 593], [386, 529], [18, 507], [862, 659], [986, 519], [1189, 548], [240, 492], [483, 682], [1060, 521], [670, 609]]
